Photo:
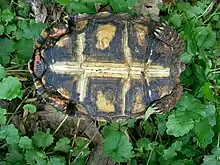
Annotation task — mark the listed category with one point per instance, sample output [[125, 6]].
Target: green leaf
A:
[[63, 145], [10, 28], [42, 139], [2, 116], [117, 146], [33, 30], [199, 73], [207, 91], [205, 37], [2, 72], [183, 6], [56, 161], [81, 146], [80, 8], [176, 20], [11, 88], [119, 6], [186, 57], [212, 159], [131, 3], [24, 49], [10, 133], [32, 156], [204, 133], [15, 155], [1, 29], [30, 107], [143, 143], [7, 46], [189, 111], [211, 114], [25, 143], [171, 151], [63, 2], [7, 15]]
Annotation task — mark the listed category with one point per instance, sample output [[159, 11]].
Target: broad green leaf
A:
[[131, 3], [117, 146], [207, 92], [212, 159], [7, 46], [205, 37], [186, 57], [171, 151], [143, 143], [30, 107], [1, 29], [2, 116], [42, 139], [211, 114], [10, 133], [176, 20], [7, 15], [81, 146], [199, 73], [25, 143], [63, 2], [2, 72], [204, 133], [24, 49], [33, 30], [189, 111], [10, 28], [14, 155], [33, 155], [10, 88], [56, 161], [183, 6], [18, 34], [79, 162], [119, 6], [63, 145], [80, 8]]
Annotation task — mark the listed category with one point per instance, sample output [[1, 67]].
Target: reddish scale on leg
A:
[[59, 103], [58, 32]]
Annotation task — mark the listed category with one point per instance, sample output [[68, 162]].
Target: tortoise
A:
[[108, 65]]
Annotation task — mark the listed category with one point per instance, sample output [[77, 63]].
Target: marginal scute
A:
[[104, 35]]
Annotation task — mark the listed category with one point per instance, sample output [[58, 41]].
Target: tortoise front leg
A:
[[168, 102], [167, 35]]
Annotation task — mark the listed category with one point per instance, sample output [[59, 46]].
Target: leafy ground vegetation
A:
[[188, 135]]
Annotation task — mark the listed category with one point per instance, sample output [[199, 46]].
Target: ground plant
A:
[[187, 135]]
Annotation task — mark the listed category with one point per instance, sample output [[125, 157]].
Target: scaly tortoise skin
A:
[[108, 65]]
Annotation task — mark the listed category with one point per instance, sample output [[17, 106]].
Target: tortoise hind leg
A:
[[168, 102]]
